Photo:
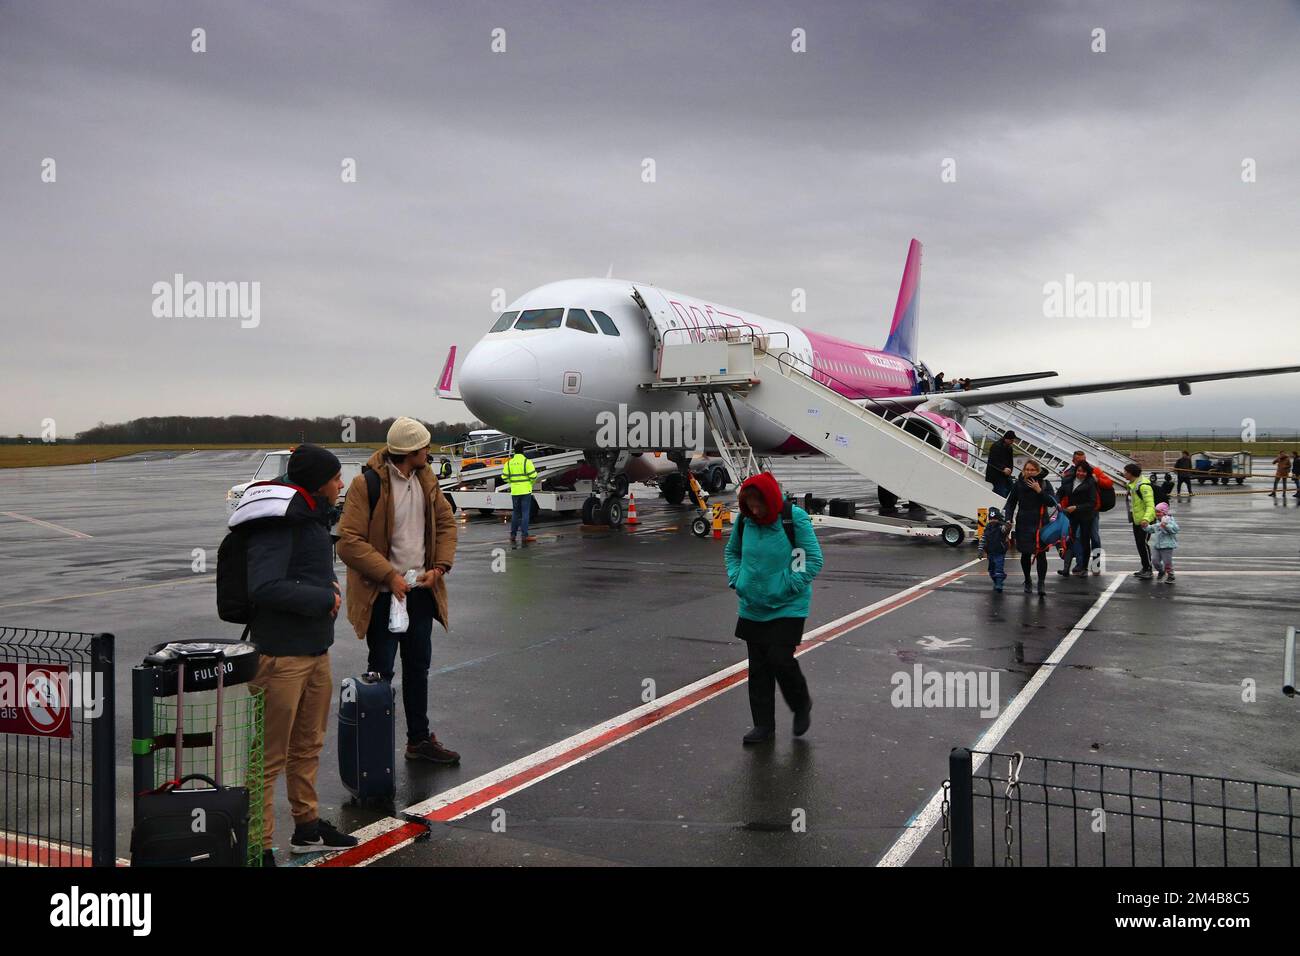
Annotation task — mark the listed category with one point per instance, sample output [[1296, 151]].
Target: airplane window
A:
[[578, 320], [605, 322], [540, 319], [507, 319]]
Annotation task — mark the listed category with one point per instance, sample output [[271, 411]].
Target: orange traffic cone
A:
[[631, 510]]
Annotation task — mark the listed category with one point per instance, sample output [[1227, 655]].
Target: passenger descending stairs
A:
[[869, 443], [1046, 439]]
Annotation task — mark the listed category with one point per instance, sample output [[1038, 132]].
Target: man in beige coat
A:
[[409, 529]]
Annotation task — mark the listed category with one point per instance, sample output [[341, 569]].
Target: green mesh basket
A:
[[242, 739]]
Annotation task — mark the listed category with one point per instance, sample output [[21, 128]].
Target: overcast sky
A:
[[775, 170]]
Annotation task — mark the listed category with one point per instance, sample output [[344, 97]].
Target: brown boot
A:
[[431, 751]]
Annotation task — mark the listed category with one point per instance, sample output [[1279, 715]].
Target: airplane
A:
[[565, 352]]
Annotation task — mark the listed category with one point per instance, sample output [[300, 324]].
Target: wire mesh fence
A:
[[57, 800], [1008, 809]]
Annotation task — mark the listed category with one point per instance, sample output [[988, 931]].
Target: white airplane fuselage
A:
[[550, 385]]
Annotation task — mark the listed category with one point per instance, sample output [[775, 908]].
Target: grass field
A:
[[39, 454]]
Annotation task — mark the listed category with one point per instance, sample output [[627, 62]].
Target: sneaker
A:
[[268, 858], [1029, 586], [318, 836], [431, 751], [997, 588], [758, 735], [802, 720], [1063, 572], [1042, 591], [1161, 574], [1170, 579], [1145, 575], [1080, 573]]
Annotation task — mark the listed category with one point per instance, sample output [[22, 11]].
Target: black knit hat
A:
[[310, 466]]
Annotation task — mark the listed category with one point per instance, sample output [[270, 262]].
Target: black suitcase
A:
[[192, 827], [367, 746]]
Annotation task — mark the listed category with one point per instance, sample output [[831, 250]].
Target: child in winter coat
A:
[[1164, 538], [994, 544]]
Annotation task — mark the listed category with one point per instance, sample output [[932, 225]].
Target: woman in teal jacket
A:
[[773, 579]]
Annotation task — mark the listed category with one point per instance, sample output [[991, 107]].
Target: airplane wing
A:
[[1053, 392]]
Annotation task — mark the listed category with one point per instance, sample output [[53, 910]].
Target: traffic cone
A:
[[631, 510]]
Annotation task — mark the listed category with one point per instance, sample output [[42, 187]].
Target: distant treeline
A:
[[258, 429]]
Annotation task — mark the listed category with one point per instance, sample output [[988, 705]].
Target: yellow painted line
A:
[[135, 587], [45, 524]]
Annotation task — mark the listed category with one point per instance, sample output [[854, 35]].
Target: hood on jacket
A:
[[767, 486], [276, 499]]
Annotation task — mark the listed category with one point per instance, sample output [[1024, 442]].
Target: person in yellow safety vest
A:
[[521, 474]]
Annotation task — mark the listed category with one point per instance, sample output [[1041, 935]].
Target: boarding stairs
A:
[[869, 436], [1046, 439]]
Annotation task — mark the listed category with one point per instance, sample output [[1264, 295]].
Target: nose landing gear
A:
[[605, 506]]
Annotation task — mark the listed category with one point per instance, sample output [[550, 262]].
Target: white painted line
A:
[[919, 827], [45, 524]]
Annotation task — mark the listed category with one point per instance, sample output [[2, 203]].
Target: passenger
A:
[[1295, 471], [998, 470], [1164, 538], [520, 473], [295, 597], [1031, 496], [1283, 462], [773, 580], [1142, 511], [1070, 552], [409, 529], [1183, 473], [1082, 510], [994, 544], [938, 382]]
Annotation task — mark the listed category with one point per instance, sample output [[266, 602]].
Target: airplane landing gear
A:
[[605, 506]]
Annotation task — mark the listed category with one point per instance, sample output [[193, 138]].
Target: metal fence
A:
[[57, 800], [1007, 809]]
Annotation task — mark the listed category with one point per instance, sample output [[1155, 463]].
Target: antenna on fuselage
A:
[[609, 273]]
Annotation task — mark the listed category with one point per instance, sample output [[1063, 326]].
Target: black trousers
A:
[[771, 665], [1144, 549]]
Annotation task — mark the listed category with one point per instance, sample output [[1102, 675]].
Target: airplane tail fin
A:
[[446, 385], [903, 330]]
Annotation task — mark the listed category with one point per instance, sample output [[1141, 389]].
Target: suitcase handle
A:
[[177, 784]]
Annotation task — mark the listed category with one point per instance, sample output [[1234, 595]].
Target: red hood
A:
[[766, 485]]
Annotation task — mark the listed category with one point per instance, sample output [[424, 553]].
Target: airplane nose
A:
[[498, 383]]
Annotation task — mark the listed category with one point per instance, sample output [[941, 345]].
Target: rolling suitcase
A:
[[193, 827], [367, 745]]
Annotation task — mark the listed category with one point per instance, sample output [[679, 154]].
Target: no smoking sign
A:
[[35, 701]]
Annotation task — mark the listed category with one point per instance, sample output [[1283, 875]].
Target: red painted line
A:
[[492, 792]]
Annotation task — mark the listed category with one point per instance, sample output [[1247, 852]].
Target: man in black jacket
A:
[[1001, 464], [295, 596]]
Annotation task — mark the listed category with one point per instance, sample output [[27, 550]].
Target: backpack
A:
[[233, 603], [787, 522], [372, 485], [1105, 490]]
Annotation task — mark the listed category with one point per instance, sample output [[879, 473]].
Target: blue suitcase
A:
[[367, 746]]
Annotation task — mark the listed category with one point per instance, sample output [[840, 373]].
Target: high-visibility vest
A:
[[521, 474]]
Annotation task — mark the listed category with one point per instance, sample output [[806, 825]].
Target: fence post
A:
[[103, 756], [962, 806], [142, 731]]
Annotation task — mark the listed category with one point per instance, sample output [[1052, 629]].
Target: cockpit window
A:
[[540, 319], [578, 320], [507, 319], [605, 322]]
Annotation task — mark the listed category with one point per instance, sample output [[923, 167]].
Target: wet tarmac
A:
[[592, 685]]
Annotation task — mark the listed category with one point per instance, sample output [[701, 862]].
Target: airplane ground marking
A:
[[918, 827], [190, 579], [520, 774]]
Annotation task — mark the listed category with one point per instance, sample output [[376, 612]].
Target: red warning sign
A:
[[35, 700]]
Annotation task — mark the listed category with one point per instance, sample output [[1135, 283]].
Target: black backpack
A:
[[787, 522], [233, 603]]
